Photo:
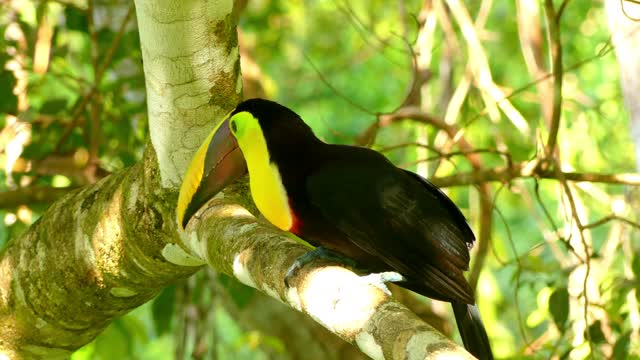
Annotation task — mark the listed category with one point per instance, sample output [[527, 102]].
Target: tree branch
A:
[[530, 169], [85, 99]]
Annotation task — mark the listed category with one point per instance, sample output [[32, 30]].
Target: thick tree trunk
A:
[[102, 250], [109, 247]]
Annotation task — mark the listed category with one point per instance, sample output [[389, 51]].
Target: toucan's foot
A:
[[379, 279], [317, 253]]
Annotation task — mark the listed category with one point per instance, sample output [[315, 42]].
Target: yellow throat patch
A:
[[267, 189]]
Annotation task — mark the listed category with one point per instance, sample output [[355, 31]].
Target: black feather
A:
[[391, 215], [472, 331]]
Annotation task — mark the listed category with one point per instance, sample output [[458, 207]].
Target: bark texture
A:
[[192, 75]]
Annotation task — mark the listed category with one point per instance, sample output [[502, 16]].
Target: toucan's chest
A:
[[269, 194], [314, 228], [278, 190]]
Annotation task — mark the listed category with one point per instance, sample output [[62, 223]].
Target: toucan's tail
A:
[[472, 331]]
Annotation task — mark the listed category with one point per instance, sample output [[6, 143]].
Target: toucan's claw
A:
[[320, 253], [317, 253], [379, 279]]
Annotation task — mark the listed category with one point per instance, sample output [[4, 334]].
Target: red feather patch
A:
[[296, 223]]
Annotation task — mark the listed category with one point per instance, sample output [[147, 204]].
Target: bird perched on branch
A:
[[346, 201]]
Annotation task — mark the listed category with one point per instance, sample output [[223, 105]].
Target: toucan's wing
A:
[[400, 218]]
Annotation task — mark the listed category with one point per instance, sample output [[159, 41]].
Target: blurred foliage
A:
[[72, 106]]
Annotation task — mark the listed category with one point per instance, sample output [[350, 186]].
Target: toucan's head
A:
[[254, 129]]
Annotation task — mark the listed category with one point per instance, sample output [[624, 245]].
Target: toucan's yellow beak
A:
[[217, 163]]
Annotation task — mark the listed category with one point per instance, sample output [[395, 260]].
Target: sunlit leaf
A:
[[84, 353]]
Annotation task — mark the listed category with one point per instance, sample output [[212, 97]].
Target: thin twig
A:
[[484, 236], [561, 9], [336, 91], [606, 49], [559, 255], [504, 174], [524, 170], [82, 103], [553, 224], [519, 268], [93, 35], [490, 91], [609, 218], [447, 156], [587, 253], [553, 25]]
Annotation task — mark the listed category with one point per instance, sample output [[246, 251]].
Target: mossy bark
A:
[[91, 257]]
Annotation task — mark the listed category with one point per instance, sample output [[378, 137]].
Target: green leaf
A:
[[595, 332], [53, 106], [274, 343], [559, 307], [76, 19], [114, 341], [8, 100], [621, 348], [162, 309], [240, 293], [635, 265], [200, 289], [135, 328]]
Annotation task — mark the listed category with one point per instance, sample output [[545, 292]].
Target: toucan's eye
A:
[[234, 127]]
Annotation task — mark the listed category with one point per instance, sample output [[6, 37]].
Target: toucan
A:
[[347, 201]]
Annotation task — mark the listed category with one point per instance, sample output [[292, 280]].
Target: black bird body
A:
[[355, 202]]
